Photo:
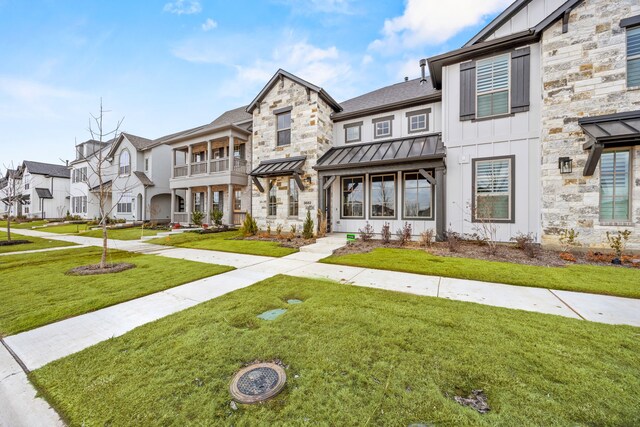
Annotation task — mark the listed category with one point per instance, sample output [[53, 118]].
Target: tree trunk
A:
[[103, 259], [9, 226]]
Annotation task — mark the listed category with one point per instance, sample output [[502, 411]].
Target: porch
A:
[[229, 199]]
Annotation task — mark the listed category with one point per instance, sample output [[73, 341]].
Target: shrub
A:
[[569, 239], [618, 242], [279, 231], [366, 233], [249, 226], [294, 230], [307, 227], [453, 240], [196, 217], [566, 256], [404, 234], [216, 216], [522, 240], [268, 232], [426, 238], [385, 233]]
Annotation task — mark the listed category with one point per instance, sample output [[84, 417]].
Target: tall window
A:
[[382, 127], [79, 175], [493, 86], [633, 57], [353, 197], [125, 203], [125, 163], [272, 198], [79, 204], [615, 177], [493, 189], [217, 201], [353, 132], [198, 201], [293, 197], [284, 128], [146, 165], [383, 196], [237, 200], [418, 196]]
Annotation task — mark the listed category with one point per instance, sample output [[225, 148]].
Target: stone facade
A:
[[584, 74], [311, 136]]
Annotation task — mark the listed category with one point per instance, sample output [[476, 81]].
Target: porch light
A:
[[565, 164]]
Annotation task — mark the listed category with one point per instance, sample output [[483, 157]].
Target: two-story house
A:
[[45, 190], [85, 185], [209, 169], [140, 179], [11, 193]]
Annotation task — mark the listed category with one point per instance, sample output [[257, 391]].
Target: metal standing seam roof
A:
[[44, 193], [613, 127], [279, 167], [391, 151]]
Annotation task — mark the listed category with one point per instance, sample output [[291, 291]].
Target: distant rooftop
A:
[[60, 171]]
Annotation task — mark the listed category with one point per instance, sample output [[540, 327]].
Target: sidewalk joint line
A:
[[15, 357], [438, 292], [570, 308]]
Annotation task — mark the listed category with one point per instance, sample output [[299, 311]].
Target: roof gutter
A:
[[202, 132], [340, 117]]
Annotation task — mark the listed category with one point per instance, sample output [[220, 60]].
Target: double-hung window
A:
[[124, 204], [418, 196], [124, 163], [633, 56], [284, 128], [272, 198], [217, 201], [493, 186], [293, 198], [383, 196], [353, 197], [615, 177], [492, 85], [418, 121], [382, 127]]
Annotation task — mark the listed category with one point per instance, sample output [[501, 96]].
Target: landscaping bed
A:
[[353, 356], [36, 289]]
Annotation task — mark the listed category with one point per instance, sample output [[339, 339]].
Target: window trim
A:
[[375, 122], [293, 184], [272, 184], [278, 130], [120, 163], [395, 196], [626, 53], [426, 112], [433, 198], [364, 197], [353, 125], [512, 192], [508, 90], [629, 220], [120, 202]]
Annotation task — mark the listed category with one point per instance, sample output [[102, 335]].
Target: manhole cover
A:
[[258, 382]]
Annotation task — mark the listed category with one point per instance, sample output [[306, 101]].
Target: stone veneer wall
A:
[[584, 74], [311, 136]]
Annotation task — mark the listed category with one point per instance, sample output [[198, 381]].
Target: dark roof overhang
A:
[[339, 117], [44, 193], [609, 131], [204, 130], [106, 185], [279, 167], [390, 152]]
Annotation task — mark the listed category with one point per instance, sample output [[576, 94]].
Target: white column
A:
[[209, 203], [230, 203], [189, 153], [173, 167], [209, 160], [231, 144], [189, 204], [173, 204]]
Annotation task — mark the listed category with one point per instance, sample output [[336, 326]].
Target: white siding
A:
[[530, 16]]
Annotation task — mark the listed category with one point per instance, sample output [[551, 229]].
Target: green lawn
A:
[[35, 290], [355, 356], [66, 228], [225, 242], [36, 243], [132, 233], [623, 282], [24, 225]]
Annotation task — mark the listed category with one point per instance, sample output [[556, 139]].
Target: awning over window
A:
[[613, 130], [44, 193], [107, 187], [279, 167], [427, 147]]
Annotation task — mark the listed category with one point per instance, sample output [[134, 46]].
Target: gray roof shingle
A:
[[139, 142], [143, 178], [237, 115], [387, 96], [59, 171]]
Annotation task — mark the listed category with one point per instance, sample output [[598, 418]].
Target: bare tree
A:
[[12, 195]]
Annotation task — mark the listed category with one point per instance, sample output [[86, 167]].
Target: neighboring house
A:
[[140, 179], [11, 193], [45, 190], [547, 85], [209, 169], [84, 188]]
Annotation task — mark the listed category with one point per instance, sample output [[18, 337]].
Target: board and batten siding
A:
[[517, 134], [529, 16]]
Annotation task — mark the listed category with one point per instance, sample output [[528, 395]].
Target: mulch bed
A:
[[505, 253], [90, 270], [287, 242], [13, 242]]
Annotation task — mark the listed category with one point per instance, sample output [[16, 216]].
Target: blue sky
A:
[[165, 66]]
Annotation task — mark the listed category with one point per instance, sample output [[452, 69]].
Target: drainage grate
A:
[[258, 382]]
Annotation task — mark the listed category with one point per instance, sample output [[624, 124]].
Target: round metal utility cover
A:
[[257, 382]]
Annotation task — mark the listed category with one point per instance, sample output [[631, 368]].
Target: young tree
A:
[[11, 195]]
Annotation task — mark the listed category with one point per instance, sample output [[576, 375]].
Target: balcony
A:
[[198, 168]]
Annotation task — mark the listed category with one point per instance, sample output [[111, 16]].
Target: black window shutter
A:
[[468, 90], [520, 76]]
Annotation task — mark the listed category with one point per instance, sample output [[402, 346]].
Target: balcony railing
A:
[[219, 165], [238, 218], [198, 168], [240, 165], [180, 217], [179, 171]]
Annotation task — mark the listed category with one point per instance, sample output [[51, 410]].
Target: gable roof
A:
[[479, 46], [49, 169], [232, 117], [403, 94], [282, 74], [143, 178], [138, 142]]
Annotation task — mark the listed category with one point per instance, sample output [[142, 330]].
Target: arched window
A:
[[125, 163]]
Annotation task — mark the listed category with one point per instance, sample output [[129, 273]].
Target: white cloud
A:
[[209, 24], [183, 7], [431, 22]]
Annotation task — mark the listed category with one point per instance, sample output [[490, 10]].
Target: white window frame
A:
[[126, 169], [614, 220], [125, 203], [350, 126], [379, 123], [492, 91], [284, 129], [510, 189]]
